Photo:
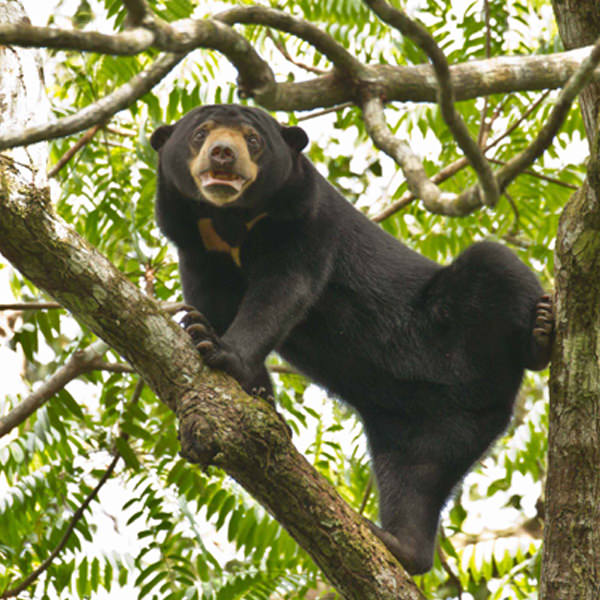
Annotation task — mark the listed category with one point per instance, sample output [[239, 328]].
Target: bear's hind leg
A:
[[542, 335], [409, 504]]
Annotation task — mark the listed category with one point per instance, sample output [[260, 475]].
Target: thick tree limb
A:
[[219, 423], [570, 561], [137, 11], [343, 60], [415, 83]]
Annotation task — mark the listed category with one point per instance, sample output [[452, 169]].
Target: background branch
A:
[[418, 34], [412, 167], [97, 112], [403, 83], [86, 138], [30, 306], [81, 361], [15, 591], [557, 116]]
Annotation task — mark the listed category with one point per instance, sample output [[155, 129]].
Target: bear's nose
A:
[[222, 154]]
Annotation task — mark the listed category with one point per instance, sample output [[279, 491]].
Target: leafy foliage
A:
[[177, 532]]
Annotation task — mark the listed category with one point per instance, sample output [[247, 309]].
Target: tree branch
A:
[[132, 41], [65, 538], [418, 34], [401, 83], [559, 112], [81, 361], [30, 306], [97, 112], [320, 40], [137, 11], [418, 182], [453, 168], [86, 138]]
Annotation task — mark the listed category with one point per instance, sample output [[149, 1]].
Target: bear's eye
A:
[[199, 135], [253, 142]]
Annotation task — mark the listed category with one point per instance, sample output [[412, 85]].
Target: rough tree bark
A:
[[571, 562]]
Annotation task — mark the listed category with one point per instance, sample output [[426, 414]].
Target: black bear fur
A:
[[274, 258]]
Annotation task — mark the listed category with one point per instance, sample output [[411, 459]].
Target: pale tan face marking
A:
[[231, 182]]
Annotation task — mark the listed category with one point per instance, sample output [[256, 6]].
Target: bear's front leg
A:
[[215, 352]]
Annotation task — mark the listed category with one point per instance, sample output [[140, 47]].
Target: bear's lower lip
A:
[[233, 180]]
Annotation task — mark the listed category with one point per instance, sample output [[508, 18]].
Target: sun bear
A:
[[272, 257]]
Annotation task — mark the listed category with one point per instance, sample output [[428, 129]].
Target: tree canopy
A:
[[447, 124]]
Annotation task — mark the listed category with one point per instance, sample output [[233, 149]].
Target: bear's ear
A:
[[160, 136], [295, 137]]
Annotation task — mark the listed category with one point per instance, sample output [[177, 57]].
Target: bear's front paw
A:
[[214, 351]]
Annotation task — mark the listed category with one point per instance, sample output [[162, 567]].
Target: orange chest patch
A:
[[213, 242]]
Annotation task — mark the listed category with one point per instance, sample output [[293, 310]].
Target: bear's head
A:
[[227, 155]]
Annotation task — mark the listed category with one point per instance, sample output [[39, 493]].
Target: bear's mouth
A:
[[223, 178]]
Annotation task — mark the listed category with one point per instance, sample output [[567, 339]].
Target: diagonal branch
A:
[[559, 113], [97, 112], [15, 591], [453, 168], [418, 182], [81, 361], [86, 138], [418, 34]]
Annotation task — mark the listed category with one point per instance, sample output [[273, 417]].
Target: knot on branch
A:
[[198, 442]]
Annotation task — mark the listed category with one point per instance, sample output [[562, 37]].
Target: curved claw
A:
[[197, 328], [205, 346]]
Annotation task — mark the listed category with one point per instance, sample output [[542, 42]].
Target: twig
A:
[[541, 176], [72, 524], [81, 361], [326, 111], [514, 230], [284, 369], [452, 576], [283, 50], [366, 495], [97, 112], [484, 129], [30, 306], [322, 41], [417, 33], [86, 138], [120, 131]]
